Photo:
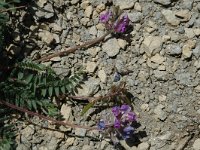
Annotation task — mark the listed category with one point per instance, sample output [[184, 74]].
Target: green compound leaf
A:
[[57, 91], [44, 92], [50, 91], [20, 75]]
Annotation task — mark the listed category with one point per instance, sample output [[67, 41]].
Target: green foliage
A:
[[31, 85], [6, 130]]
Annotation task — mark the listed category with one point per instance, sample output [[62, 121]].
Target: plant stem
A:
[[66, 123], [73, 49], [5, 10]]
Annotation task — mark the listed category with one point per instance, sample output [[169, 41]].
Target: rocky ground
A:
[[161, 50]]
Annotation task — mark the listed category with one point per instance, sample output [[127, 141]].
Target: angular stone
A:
[[111, 47], [90, 87], [66, 111], [170, 17], [174, 49], [91, 66], [160, 114], [143, 146], [125, 4], [102, 75], [152, 44], [163, 2], [196, 144], [46, 37], [135, 17], [88, 11], [122, 43], [157, 59], [187, 48], [184, 15], [189, 32], [80, 132]]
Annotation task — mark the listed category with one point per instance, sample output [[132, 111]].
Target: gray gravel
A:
[[162, 50]]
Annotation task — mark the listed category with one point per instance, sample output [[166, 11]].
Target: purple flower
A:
[[127, 131], [121, 24], [116, 111], [117, 124], [125, 108], [130, 116], [101, 125], [104, 17]]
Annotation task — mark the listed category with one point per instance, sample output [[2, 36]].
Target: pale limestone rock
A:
[[196, 144], [184, 15], [102, 75], [189, 32], [46, 37], [162, 98], [152, 44], [125, 4], [170, 17], [157, 59], [111, 47], [88, 11], [66, 111], [91, 66], [122, 43]]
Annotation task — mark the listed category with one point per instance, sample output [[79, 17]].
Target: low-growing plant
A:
[[30, 87]]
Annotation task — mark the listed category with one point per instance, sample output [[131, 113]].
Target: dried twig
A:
[[73, 49]]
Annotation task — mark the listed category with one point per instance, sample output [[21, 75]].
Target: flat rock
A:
[[111, 47], [187, 48], [196, 144], [135, 17], [93, 30], [66, 111], [174, 49], [88, 11], [125, 4], [157, 59], [91, 66], [160, 114], [183, 78], [90, 87], [160, 75], [80, 132], [189, 32], [184, 15], [163, 2], [196, 51], [143, 146], [102, 75], [152, 44], [41, 3], [170, 17], [122, 43], [46, 37]]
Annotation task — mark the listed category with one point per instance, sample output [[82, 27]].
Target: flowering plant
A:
[[118, 25], [123, 119]]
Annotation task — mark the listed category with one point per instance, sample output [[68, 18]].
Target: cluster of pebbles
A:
[[160, 50]]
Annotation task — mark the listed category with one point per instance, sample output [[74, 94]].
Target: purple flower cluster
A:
[[123, 120], [124, 117], [119, 25]]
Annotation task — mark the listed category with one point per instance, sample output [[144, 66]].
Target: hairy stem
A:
[[66, 123], [5, 10], [73, 49]]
